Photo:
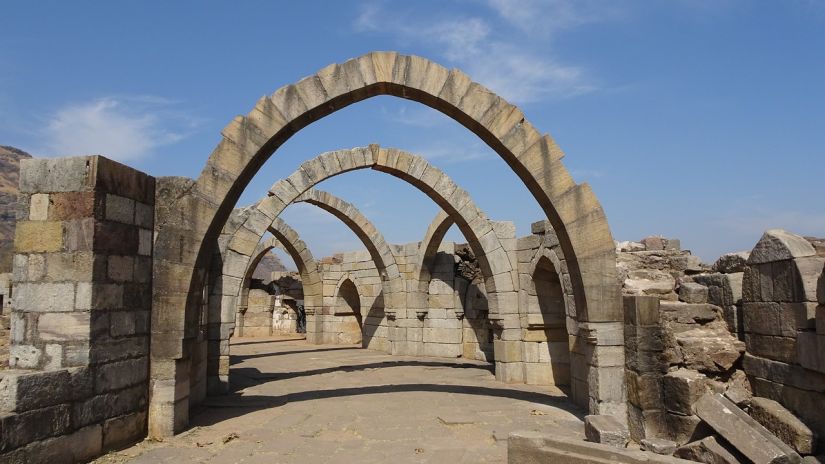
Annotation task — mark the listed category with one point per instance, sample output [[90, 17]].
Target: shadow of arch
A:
[[188, 227], [225, 407]]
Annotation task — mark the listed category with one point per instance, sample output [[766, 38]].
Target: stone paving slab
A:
[[301, 403]]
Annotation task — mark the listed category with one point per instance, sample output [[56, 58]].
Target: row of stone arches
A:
[[189, 227]]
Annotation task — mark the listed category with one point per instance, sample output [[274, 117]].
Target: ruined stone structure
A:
[[127, 289]]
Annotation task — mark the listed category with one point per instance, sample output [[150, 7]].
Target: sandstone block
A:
[[44, 297], [772, 347], [38, 236], [75, 326], [120, 209], [782, 423], [654, 243], [39, 207], [25, 391], [691, 292], [55, 175], [25, 427], [641, 310], [67, 206], [659, 446], [709, 350], [606, 430], [682, 388]]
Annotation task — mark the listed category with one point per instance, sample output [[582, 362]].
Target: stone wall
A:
[[341, 323], [80, 318]]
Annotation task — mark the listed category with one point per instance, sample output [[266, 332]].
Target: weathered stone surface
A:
[[731, 262], [780, 245], [709, 350], [691, 292], [740, 430], [658, 446], [682, 388], [649, 282], [783, 424], [607, 430], [654, 243], [707, 450]]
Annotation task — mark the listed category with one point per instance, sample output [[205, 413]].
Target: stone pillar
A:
[[82, 273], [785, 358]]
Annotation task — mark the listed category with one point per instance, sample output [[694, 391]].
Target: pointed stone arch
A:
[[187, 229], [365, 230], [285, 237]]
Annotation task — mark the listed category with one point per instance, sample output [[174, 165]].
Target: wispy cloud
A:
[[549, 17], [121, 128], [489, 52]]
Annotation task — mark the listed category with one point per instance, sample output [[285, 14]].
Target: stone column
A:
[[82, 273]]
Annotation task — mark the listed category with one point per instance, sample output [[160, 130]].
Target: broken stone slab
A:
[[745, 434], [707, 450], [607, 430], [659, 446], [783, 424], [731, 262], [536, 447]]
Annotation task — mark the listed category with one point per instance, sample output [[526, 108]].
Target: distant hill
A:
[[9, 180], [269, 263]]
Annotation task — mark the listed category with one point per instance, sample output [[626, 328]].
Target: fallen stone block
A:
[[745, 434], [659, 446], [783, 424], [606, 430], [707, 450], [536, 447]]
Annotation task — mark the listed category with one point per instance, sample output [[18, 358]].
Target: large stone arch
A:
[[187, 227], [365, 230]]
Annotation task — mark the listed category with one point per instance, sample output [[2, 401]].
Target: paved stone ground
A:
[[300, 403]]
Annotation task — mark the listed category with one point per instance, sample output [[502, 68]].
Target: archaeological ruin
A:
[[128, 292]]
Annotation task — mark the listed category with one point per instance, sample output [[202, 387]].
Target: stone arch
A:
[[428, 248], [285, 237], [260, 251], [348, 303], [365, 230], [189, 225], [547, 317]]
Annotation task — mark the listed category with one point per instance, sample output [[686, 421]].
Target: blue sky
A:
[[697, 119]]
